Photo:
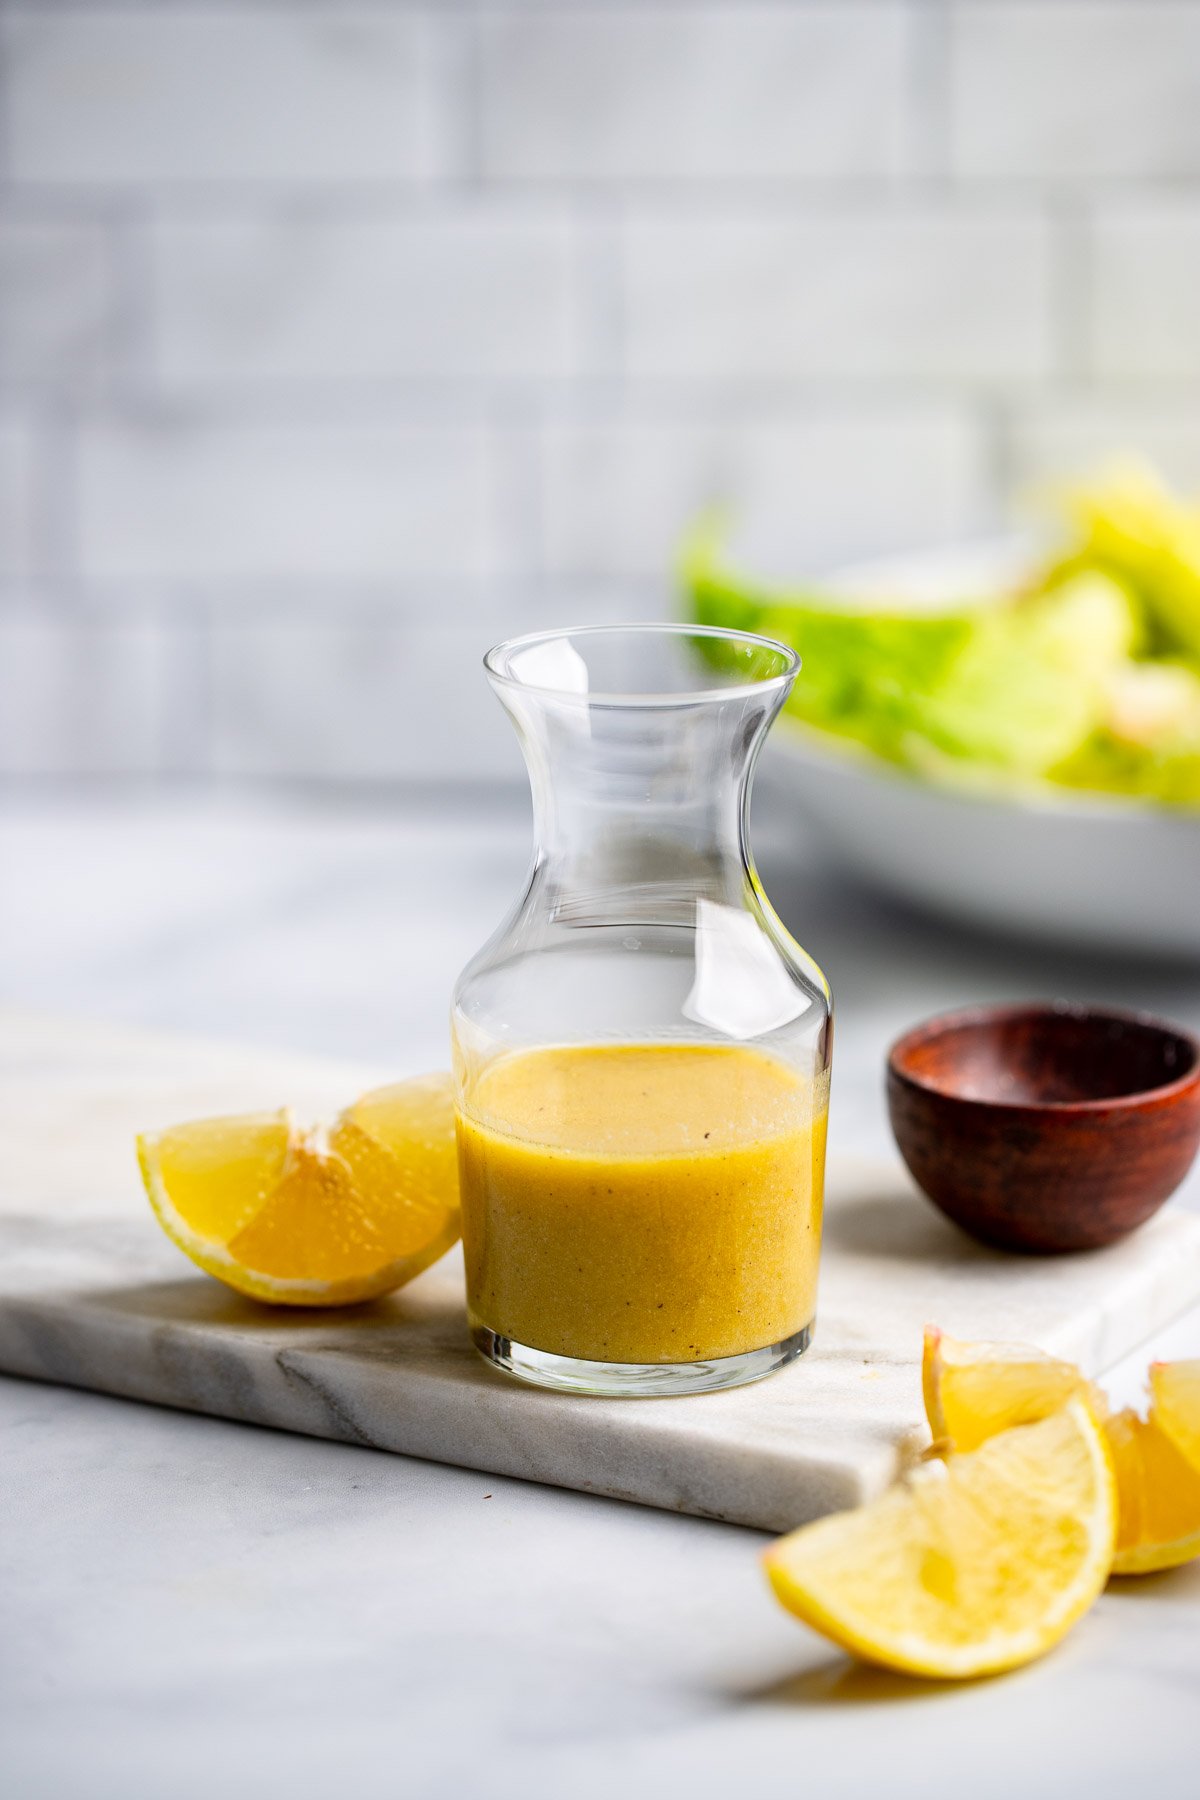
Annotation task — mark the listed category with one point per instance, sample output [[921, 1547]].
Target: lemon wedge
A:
[[1175, 1397], [965, 1567], [972, 1391], [316, 1218], [1158, 1473]]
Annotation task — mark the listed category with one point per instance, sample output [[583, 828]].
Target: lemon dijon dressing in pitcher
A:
[[643, 1203], [641, 1051]]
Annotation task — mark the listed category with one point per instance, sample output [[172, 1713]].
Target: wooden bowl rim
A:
[[943, 1023]]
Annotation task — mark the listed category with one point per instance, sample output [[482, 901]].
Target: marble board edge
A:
[[645, 1452], [759, 1456]]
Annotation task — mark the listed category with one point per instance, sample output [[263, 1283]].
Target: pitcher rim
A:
[[496, 664]]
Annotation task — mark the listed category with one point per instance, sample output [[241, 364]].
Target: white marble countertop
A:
[[193, 1607]]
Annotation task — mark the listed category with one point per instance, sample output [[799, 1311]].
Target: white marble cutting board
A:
[[92, 1295]]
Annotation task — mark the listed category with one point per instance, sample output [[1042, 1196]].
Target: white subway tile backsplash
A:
[[371, 698], [476, 292], [808, 493], [78, 697], [927, 294], [1075, 89], [693, 93], [1145, 290], [304, 95], [19, 500], [1052, 440], [188, 500], [357, 701], [59, 318], [338, 340]]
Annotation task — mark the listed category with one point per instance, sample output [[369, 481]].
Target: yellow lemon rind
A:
[[930, 1384], [1151, 1559]]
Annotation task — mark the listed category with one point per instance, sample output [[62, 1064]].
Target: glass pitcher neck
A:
[[641, 799]]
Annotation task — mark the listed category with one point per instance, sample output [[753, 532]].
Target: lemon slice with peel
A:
[[972, 1391], [313, 1218], [1175, 1397], [965, 1567], [1158, 1473]]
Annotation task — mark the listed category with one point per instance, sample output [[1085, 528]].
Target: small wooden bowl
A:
[[1046, 1128]]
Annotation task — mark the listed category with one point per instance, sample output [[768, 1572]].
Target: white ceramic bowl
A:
[[1102, 873], [1095, 871]]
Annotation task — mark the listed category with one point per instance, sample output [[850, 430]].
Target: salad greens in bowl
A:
[[1011, 739], [1082, 673]]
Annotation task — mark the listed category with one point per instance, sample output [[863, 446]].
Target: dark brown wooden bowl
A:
[[1046, 1128]]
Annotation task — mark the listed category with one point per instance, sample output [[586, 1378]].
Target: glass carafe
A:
[[641, 1052]]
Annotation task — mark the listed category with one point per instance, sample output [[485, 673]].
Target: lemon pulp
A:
[[969, 1566], [313, 1218]]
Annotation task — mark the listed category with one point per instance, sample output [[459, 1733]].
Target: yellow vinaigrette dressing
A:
[[642, 1203]]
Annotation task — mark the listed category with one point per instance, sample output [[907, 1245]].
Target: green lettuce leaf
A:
[[859, 670], [1018, 686], [1031, 684]]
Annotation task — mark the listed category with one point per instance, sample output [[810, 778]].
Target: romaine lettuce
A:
[[1018, 686], [1089, 678]]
